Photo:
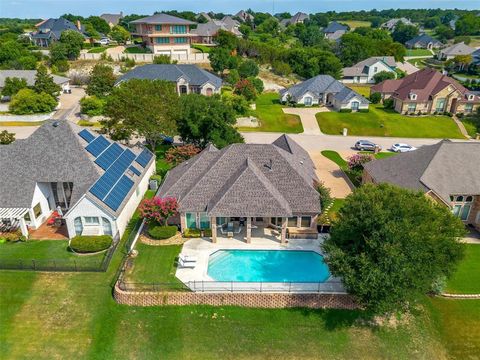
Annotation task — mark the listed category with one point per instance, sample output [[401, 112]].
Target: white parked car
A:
[[400, 148], [104, 41]]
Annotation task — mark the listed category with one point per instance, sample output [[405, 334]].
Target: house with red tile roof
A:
[[428, 91]]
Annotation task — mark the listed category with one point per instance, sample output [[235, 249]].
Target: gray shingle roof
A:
[[112, 18], [29, 76], [322, 84], [172, 72], [162, 19], [246, 180], [333, 27], [361, 68], [55, 27], [347, 94], [52, 154], [447, 168], [423, 40], [458, 49]]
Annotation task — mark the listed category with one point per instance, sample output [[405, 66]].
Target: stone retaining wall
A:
[[257, 300]]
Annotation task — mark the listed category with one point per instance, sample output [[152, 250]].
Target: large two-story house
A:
[[50, 30], [165, 34], [447, 172], [187, 78], [93, 182], [428, 91], [364, 71]]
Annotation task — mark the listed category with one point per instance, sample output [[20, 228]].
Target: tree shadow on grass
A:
[[334, 319]]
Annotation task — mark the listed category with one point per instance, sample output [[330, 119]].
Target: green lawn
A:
[[21, 123], [470, 127], [136, 50], [162, 166], [417, 62], [363, 90], [355, 23], [272, 118], [382, 122], [466, 280], [342, 163], [202, 48], [97, 50], [154, 264], [380, 155], [418, 52]]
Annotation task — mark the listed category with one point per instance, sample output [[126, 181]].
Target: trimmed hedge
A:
[[90, 244], [345, 110], [162, 232], [363, 110], [192, 233]]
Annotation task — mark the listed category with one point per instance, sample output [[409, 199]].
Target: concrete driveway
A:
[[307, 116], [70, 105], [330, 174]]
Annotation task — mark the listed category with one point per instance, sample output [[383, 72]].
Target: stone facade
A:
[[254, 300], [474, 217]]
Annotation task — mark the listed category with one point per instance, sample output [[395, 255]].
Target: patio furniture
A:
[[187, 264], [230, 234], [239, 230], [187, 258]]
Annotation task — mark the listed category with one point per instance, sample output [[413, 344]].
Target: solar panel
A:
[[135, 170], [86, 135], [144, 157], [118, 193], [97, 146], [109, 156], [106, 182]]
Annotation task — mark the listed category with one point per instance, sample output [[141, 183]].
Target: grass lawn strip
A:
[[363, 90], [383, 122], [466, 280], [470, 127], [418, 52], [272, 118]]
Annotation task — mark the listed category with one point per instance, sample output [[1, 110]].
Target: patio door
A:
[[308, 101], [355, 105]]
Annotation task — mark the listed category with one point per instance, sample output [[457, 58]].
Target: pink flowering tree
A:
[[158, 210], [356, 162]]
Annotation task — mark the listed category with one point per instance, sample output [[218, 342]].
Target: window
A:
[[178, 29], [162, 40], [107, 226], [78, 225], [92, 220], [27, 217], [440, 104], [158, 27], [204, 221], [413, 96], [191, 220], [468, 108], [461, 206], [412, 107], [276, 221], [37, 210], [221, 220], [308, 101], [306, 220], [180, 40], [183, 89], [292, 222], [375, 69], [355, 105]]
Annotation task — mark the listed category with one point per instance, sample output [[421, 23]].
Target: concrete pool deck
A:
[[197, 278]]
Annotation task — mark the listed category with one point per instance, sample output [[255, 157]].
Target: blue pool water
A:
[[267, 266]]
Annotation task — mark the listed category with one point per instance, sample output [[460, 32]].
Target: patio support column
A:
[[313, 223], [23, 227], [283, 237], [249, 230], [183, 222], [213, 224]]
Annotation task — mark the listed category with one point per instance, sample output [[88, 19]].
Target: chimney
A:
[[79, 25]]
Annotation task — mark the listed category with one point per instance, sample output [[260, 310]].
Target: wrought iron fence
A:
[[328, 287], [60, 265]]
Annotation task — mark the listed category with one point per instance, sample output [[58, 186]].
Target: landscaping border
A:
[[254, 300], [460, 296]]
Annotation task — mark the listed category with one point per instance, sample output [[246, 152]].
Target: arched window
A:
[[78, 225], [469, 199], [107, 227]]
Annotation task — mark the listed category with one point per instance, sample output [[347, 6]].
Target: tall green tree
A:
[[468, 24], [102, 80], [119, 34], [44, 83], [13, 85], [389, 245], [206, 119], [248, 68], [403, 33], [221, 59], [148, 108], [99, 24], [73, 42]]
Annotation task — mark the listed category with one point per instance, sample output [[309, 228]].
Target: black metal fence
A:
[[82, 264]]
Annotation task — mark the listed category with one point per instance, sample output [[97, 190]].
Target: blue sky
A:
[[53, 8]]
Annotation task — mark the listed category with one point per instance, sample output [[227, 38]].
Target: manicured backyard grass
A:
[[470, 127], [417, 62], [466, 279], [162, 166], [272, 118], [97, 50], [154, 264], [382, 122], [418, 52], [136, 50], [380, 155], [363, 90], [202, 48]]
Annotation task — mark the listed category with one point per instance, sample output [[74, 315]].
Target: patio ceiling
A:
[[13, 213]]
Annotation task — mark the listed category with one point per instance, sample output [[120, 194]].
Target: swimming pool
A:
[[267, 266]]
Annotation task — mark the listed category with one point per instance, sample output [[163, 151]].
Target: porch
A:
[[50, 230]]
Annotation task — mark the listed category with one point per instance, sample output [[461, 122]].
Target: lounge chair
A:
[[187, 258], [187, 264]]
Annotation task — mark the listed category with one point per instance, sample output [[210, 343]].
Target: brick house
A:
[[428, 91], [447, 172]]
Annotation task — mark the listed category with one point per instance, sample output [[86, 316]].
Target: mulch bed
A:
[[174, 240]]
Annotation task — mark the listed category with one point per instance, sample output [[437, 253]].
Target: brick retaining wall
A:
[[257, 300]]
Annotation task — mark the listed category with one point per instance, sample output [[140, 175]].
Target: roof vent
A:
[[55, 124], [269, 166]]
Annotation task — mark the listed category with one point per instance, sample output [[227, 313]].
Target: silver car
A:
[[363, 145]]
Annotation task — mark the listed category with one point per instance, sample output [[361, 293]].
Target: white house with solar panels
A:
[[94, 182]]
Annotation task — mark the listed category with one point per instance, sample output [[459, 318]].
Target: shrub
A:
[[162, 232], [207, 232], [356, 162], [62, 66], [257, 83], [237, 102], [375, 97], [233, 77], [248, 68], [163, 59], [178, 154], [325, 195], [85, 123], [27, 101], [247, 89], [281, 68], [382, 76], [158, 209], [6, 137], [13, 85], [192, 233], [388, 103], [345, 110], [363, 110], [156, 177], [90, 244], [92, 106], [13, 236]]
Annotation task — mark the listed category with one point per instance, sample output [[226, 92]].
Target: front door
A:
[[308, 101], [453, 108], [355, 105]]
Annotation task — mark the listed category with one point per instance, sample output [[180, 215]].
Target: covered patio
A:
[[12, 219]]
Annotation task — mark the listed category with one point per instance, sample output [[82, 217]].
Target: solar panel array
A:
[[114, 185], [86, 135], [144, 157], [97, 146]]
